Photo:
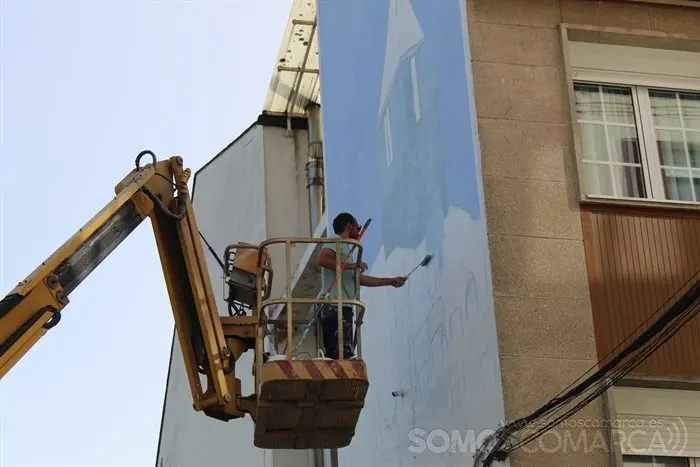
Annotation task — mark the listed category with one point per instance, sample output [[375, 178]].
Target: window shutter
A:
[[635, 65]]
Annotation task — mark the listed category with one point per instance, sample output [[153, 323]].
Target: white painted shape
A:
[[416, 93], [440, 345], [387, 140], [403, 34], [189, 438]]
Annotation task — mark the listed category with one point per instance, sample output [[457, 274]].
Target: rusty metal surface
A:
[[309, 404]]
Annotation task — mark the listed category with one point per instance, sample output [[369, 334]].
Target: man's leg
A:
[[348, 351], [329, 327]]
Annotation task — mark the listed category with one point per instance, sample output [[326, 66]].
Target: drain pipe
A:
[[315, 186], [314, 166]]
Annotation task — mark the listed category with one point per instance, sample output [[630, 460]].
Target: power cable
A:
[[678, 314], [666, 334], [633, 332]]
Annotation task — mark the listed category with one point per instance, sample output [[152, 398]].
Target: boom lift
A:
[[296, 404]]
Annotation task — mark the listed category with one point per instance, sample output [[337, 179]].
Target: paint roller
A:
[[426, 261]]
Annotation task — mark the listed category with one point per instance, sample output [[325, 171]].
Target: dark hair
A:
[[341, 220]]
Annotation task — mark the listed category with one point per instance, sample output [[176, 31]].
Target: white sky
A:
[[86, 85]]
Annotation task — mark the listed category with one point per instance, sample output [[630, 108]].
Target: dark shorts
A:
[[328, 317]]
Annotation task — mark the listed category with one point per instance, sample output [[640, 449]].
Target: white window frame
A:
[[692, 461], [639, 84]]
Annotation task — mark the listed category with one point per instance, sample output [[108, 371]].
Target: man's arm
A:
[[326, 259], [370, 281]]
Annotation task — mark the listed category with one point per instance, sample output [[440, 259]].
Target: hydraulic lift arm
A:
[[210, 344]]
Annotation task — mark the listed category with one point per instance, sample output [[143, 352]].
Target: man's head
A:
[[346, 226]]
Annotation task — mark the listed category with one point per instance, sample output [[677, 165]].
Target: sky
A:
[[84, 86]]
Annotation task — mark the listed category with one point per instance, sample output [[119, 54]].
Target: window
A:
[[659, 461], [639, 142]]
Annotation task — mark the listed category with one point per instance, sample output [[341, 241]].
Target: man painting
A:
[[345, 226]]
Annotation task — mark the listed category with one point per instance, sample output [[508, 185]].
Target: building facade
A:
[[587, 111], [546, 153]]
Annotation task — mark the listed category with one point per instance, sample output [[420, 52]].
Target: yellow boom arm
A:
[[210, 343]]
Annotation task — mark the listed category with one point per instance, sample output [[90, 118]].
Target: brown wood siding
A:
[[638, 263]]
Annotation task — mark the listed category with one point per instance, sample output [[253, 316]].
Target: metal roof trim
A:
[[295, 81]]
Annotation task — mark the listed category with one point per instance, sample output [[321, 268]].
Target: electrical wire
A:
[[213, 252], [633, 332], [180, 215], [678, 314], [611, 380], [665, 334]]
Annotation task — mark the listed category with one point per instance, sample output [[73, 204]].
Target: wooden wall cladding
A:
[[639, 261]]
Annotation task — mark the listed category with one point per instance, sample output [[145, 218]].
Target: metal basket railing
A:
[[263, 303]]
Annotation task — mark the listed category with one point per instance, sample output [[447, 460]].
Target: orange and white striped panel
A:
[[314, 370]]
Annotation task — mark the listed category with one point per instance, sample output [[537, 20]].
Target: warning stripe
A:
[[286, 367], [337, 369], [313, 370], [359, 367]]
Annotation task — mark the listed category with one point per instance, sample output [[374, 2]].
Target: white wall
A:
[[255, 189], [285, 187], [229, 202]]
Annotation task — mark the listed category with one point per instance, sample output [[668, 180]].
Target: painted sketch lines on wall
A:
[[434, 340], [441, 343]]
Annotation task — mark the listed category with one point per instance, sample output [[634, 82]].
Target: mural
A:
[[401, 148]]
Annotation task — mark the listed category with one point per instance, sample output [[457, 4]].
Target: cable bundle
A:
[[522, 431]]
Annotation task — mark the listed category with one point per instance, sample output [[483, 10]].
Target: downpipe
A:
[[314, 166]]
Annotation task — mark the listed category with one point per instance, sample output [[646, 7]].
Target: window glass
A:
[[610, 145]]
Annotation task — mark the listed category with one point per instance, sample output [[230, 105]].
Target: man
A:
[[345, 226]]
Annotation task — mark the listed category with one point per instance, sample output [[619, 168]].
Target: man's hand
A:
[[362, 266], [398, 281]]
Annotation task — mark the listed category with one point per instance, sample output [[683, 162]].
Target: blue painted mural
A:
[[400, 147]]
